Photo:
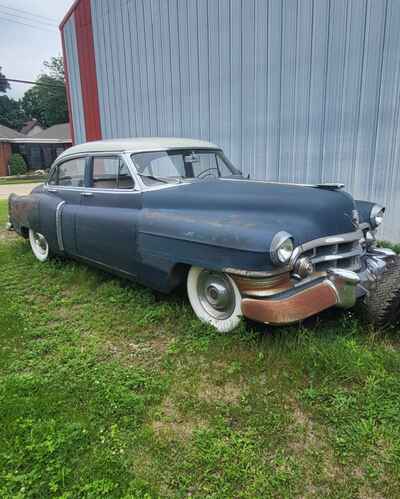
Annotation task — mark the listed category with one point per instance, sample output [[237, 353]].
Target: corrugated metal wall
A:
[[303, 91], [74, 80]]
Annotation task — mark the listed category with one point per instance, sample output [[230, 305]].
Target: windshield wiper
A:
[[153, 177]]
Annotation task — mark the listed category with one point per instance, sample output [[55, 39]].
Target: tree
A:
[[48, 102], [11, 113], [17, 164], [4, 85]]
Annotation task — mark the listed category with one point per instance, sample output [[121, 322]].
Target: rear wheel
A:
[[215, 298], [39, 245], [383, 303]]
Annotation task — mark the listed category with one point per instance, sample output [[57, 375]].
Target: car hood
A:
[[244, 214]]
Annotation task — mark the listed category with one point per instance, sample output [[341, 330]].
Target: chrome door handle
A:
[[52, 190], [87, 194]]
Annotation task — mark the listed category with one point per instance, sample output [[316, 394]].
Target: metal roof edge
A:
[[27, 140], [69, 13]]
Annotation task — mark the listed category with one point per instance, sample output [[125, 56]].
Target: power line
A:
[[25, 18], [32, 83], [30, 25], [29, 13]]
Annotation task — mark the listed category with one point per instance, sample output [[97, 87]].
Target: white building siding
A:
[[302, 91]]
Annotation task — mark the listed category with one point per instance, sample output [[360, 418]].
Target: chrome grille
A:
[[342, 252]]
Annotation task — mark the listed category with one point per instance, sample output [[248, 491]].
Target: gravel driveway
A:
[[20, 189]]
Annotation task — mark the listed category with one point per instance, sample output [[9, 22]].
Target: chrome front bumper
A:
[[339, 287]]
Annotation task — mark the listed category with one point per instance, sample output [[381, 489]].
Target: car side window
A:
[[70, 173], [111, 172]]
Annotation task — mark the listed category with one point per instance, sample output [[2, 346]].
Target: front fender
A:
[[201, 238]]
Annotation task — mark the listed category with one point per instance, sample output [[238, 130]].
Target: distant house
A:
[[39, 151], [7, 135], [31, 128]]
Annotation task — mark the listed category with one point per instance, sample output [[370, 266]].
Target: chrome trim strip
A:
[[336, 256], [58, 225], [256, 273], [326, 241], [322, 241], [327, 186], [91, 189]]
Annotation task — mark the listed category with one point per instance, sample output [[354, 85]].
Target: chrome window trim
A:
[[128, 156], [115, 155], [135, 190], [56, 164], [59, 209]]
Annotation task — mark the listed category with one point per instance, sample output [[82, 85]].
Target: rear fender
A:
[[23, 213]]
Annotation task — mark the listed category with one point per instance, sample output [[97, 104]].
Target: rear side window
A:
[[111, 172], [71, 173]]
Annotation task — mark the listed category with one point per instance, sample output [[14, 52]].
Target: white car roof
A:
[[138, 144]]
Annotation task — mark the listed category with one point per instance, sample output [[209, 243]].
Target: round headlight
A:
[[281, 248], [376, 215]]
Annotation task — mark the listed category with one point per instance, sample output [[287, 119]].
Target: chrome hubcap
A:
[[216, 294]]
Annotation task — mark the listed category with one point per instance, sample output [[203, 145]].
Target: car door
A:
[[106, 227], [61, 202]]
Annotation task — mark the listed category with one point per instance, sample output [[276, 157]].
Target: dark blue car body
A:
[[155, 230]]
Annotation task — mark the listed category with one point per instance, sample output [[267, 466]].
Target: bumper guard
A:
[[340, 287]]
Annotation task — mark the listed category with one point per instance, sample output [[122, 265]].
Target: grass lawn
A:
[[108, 389]]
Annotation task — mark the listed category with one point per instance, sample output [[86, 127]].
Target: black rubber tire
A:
[[382, 306]]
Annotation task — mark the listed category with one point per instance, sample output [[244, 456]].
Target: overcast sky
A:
[[24, 48]]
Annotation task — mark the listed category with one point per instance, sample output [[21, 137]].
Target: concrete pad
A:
[[20, 189]]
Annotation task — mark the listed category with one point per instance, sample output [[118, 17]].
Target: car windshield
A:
[[182, 165]]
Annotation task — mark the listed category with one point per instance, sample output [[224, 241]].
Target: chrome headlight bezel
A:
[[376, 215], [282, 247]]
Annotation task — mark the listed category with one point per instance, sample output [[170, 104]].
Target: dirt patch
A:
[[160, 344], [129, 351], [228, 393], [7, 235], [173, 423]]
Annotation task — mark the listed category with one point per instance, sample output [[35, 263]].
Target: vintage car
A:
[[165, 211]]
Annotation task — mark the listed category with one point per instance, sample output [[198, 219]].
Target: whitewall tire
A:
[[39, 245], [215, 298]]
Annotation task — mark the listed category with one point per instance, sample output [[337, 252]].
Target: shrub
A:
[[17, 165]]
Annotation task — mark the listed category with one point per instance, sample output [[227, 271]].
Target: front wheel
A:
[[39, 245], [215, 298], [382, 306]]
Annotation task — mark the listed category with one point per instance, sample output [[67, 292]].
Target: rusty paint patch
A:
[[20, 208], [263, 287], [293, 309]]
